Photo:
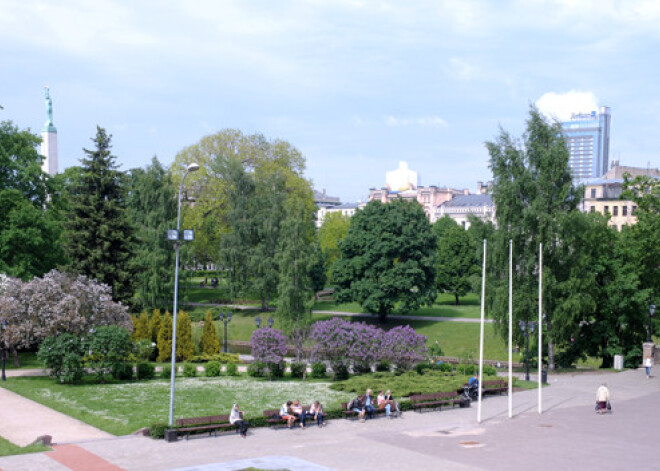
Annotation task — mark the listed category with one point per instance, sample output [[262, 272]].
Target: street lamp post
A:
[[3, 351], [191, 168], [226, 318], [651, 312], [527, 328]]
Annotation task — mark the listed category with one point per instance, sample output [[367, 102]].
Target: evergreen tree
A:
[[100, 238], [141, 329], [210, 341], [165, 338], [185, 348], [154, 324], [152, 210]]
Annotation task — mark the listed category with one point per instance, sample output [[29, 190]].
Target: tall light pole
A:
[[651, 312], [176, 237], [527, 328], [3, 352]]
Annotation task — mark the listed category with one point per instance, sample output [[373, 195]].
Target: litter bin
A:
[[170, 435], [544, 376], [618, 362]]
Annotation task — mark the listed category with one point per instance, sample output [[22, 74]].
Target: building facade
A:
[[588, 139], [603, 195], [461, 207]]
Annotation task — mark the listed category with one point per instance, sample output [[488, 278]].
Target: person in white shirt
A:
[[602, 398], [236, 418], [648, 363], [316, 412]]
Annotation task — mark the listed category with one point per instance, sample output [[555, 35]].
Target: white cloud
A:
[[562, 105], [435, 121]]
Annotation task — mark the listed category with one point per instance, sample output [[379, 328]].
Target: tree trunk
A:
[[551, 355], [608, 361], [15, 353], [457, 302]]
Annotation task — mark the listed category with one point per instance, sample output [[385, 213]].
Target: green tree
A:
[[185, 348], [331, 233], [165, 338], [210, 341], [532, 190], [152, 210], [457, 258], [100, 237], [141, 329], [154, 324], [388, 258], [296, 259]]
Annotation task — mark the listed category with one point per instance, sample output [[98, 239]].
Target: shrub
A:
[[212, 368], [490, 370], [318, 369], [219, 357], [231, 369], [108, 346], [158, 430], [268, 345], [275, 370], [185, 348], [122, 371], [404, 347], [255, 369], [340, 372], [166, 372], [420, 368], [144, 349], [210, 344], [466, 369], [298, 369], [63, 356], [189, 370], [383, 366], [446, 367], [144, 371]]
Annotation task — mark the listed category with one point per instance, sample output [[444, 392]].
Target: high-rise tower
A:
[[588, 139], [49, 139]]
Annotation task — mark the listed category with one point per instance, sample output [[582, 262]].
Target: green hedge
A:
[[219, 357]]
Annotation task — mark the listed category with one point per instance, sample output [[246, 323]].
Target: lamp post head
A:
[[222, 316], [193, 167], [270, 322], [522, 325], [229, 317], [258, 321], [652, 309]]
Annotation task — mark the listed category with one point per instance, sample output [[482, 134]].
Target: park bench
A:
[[435, 400], [209, 423], [273, 418], [498, 386], [351, 414]]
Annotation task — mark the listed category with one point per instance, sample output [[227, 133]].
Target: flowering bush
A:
[[268, 345], [333, 342], [404, 347]]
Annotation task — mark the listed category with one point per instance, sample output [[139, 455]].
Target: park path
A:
[[23, 420], [468, 320]]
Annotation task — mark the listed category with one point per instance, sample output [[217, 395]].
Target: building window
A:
[[593, 192], [624, 210], [607, 209], [615, 210], [593, 209], [634, 209]]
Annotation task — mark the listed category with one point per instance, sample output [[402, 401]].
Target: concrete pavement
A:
[[567, 435]]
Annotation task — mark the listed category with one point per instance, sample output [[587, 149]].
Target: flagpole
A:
[[481, 336], [510, 328]]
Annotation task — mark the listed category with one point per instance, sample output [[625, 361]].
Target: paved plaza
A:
[[568, 435]]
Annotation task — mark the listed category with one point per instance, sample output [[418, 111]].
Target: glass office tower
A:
[[588, 139]]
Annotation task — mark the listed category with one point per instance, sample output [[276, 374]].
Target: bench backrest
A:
[[494, 383], [271, 413], [433, 397], [208, 419]]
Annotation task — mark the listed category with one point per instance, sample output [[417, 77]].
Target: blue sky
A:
[[356, 85]]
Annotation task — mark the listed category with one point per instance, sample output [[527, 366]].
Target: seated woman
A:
[[386, 402], [236, 418], [357, 406], [299, 412], [287, 414], [316, 412]]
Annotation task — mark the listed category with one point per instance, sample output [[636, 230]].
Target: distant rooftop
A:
[[470, 200], [322, 199]]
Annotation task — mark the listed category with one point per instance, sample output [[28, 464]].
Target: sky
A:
[[356, 86]]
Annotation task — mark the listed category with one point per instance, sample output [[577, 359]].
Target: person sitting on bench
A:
[[316, 412], [287, 414], [236, 418]]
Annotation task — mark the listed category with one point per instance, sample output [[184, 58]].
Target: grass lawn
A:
[[123, 408], [8, 448]]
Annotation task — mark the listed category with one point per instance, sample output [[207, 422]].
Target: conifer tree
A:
[[154, 324], [134, 323], [141, 330], [185, 348], [100, 237], [165, 338], [210, 341]]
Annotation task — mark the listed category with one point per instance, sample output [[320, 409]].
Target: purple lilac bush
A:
[[403, 347], [268, 345]]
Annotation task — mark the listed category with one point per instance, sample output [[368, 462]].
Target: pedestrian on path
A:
[[602, 398], [648, 364]]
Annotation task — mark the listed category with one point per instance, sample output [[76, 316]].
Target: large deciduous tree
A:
[[331, 233], [457, 258], [388, 259], [152, 210], [100, 237]]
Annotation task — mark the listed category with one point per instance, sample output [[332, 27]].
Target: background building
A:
[[461, 207], [602, 195], [588, 140]]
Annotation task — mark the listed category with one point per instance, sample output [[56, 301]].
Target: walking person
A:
[[236, 418], [602, 398], [648, 363]]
